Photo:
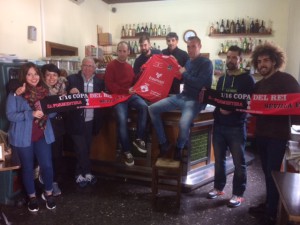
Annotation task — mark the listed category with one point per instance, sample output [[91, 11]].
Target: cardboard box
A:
[[104, 39]]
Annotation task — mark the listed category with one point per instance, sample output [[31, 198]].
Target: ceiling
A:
[[126, 1]]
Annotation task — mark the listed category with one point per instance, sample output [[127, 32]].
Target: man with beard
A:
[[229, 130], [180, 55], [272, 132], [146, 53]]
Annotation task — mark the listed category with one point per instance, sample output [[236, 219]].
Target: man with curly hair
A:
[[272, 132]]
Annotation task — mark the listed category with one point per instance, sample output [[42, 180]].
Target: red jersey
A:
[[157, 77]]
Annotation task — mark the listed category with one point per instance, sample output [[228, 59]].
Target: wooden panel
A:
[[56, 49]]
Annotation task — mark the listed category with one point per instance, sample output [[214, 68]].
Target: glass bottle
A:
[[222, 28], [262, 28], [151, 30], [238, 27], [129, 31], [251, 27], [133, 30], [154, 30], [232, 27], [227, 29], [159, 30], [123, 33], [138, 29]]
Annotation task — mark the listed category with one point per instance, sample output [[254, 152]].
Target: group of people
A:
[[32, 133]]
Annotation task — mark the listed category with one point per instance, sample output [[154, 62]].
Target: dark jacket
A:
[[75, 118], [243, 83]]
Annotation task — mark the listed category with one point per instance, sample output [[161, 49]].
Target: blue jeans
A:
[[234, 139], [271, 154], [121, 109], [189, 110], [42, 151]]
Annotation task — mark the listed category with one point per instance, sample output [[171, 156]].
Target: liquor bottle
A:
[[217, 27], [151, 30], [245, 45], [243, 29], [142, 28], [138, 29], [154, 30], [169, 29], [251, 27], [154, 46], [126, 30], [222, 28], [256, 26], [238, 27], [211, 29], [159, 30], [164, 30], [262, 28], [129, 31], [227, 29], [135, 48], [232, 27], [133, 30], [123, 33], [146, 28]]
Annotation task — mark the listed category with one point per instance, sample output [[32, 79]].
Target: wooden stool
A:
[[166, 175]]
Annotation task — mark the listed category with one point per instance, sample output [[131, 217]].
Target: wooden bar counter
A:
[[197, 171]]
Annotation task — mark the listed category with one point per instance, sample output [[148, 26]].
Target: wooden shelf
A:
[[137, 37], [244, 53], [240, 34]]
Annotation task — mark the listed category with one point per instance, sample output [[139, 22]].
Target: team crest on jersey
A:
[[158, 75], [170, 67]]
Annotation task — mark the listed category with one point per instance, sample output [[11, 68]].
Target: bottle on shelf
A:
[[262, 28], [217, 27], [138, 29], [135, 48], [123, 33], [151, 30], [146, 28], [133, 30], [222, 28], [129, 31], [232, 27], [155, 30], [256, 26], [227, 28], [142, 28], [159, 30], [243, 28], [126, 30], [238, 26], [168, 29], [164, 30], [211, 29], [251, 29]]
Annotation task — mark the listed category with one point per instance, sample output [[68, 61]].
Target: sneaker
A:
[[140, 144], [50, 203], [213, 193], [259, 209], [91, 178], [81, 181], [56, 190], [33, 205], [235, 201], [128, 159]]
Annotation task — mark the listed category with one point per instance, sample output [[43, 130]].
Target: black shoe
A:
[[140, 145], [259, 209], [50, 203], [33, 205]]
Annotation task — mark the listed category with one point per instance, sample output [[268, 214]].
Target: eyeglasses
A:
[[88, 66]]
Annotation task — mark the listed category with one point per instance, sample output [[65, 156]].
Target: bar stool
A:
[[166, 175]]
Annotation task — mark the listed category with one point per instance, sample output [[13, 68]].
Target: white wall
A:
[[293, 52], [199, 14], [60, 21]]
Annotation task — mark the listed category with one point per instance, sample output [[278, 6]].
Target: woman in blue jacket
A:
[[31, 133]]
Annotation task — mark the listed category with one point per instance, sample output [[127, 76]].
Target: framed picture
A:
[[2, 156]]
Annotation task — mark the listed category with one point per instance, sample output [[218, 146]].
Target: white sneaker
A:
[[81, 181], [90, 178], [235, 201]]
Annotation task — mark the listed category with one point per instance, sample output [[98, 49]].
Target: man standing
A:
[[119, 79], [196, 74], [83, 123], [180, 55], [229, 130], [272, 132], [146, 53]]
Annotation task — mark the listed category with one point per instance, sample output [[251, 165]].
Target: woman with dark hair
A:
[[57, 86], [31, 133]]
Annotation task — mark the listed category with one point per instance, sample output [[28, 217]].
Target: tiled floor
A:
[[120, 202]]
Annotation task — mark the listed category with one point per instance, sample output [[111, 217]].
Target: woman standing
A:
[[31, 134]]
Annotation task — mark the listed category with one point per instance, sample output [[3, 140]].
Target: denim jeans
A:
[[42, 151], [232, 139], [82, 148], [189, 110], [271, 154], [121, 109]]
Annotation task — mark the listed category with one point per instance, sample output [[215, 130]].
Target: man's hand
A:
[[182, 70], [225, 112], [74, 91], [131, 91], [38, 114]]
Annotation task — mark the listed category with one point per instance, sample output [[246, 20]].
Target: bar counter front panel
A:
[[198, 168]]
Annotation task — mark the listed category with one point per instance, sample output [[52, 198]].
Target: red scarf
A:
[[33, 95]]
